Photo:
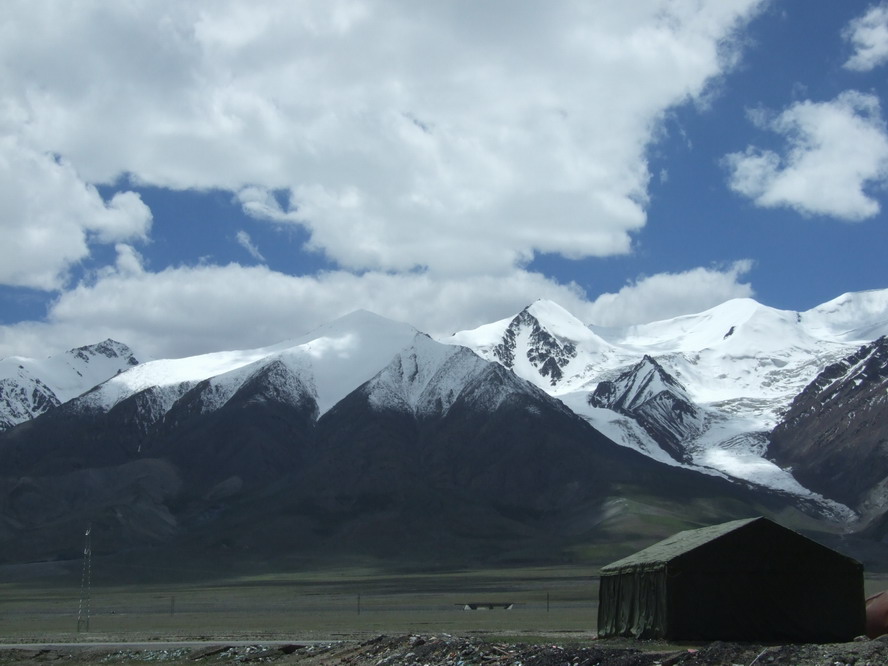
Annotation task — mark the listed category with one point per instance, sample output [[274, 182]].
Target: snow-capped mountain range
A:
[[700, 391], [329, 363], [363, 435]]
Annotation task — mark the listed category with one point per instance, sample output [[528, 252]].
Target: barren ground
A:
[[417, 650]]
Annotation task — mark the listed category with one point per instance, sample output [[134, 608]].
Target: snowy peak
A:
[[319, 368], [560, 323], [22, 398], [272, 381], [72, 372], [349, 352], [427, 378], [738, 355], [542, 350], [402, 384], [852, 317], [735, 327], [29, 387], [638, 385], [743, 327], [544, 344], [657, 401], [109, 349]]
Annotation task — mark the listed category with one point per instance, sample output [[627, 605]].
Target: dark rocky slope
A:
[[835, 434], [517, 478]]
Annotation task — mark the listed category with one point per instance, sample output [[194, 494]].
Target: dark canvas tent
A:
[[744, 580]]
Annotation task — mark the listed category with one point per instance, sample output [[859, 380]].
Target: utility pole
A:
[[83, 609]]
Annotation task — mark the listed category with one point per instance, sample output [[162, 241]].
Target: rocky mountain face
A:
[[656, 401], [834, 435], [29, 387], [544, 351], [22, 399]]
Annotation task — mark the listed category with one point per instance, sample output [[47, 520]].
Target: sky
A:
[[225, 174]]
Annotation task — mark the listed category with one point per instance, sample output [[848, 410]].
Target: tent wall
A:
[[632, 604], [752, 606], [765, 582]]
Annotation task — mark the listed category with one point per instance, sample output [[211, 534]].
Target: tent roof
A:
[[678, 544]]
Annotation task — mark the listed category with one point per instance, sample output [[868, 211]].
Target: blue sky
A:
[[188, 177]]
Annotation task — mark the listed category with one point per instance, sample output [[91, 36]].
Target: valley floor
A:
[[358, 617]]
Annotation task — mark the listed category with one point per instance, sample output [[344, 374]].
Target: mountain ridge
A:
[[657, 401], [741, 364], [438, 454], [30, 387], [834, 434], [339, 415]]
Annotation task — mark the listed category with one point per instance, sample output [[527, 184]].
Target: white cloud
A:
[[869, 36], [835, 151], [49, 217], [129, 262], [430, 149], [244, 240], [406, 134], [667, 295], [189, 310]]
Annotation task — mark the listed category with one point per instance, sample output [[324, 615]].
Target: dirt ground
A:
[[416, 650]]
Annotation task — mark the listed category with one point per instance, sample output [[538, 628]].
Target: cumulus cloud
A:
[[244, 240], [667, 295], [406, 135], [868, 34], [189, 310], [834, 152], [129, 262], [425, 147], [49, 217]]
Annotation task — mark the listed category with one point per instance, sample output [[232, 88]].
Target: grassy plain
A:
[[320, 604], [345, 603]]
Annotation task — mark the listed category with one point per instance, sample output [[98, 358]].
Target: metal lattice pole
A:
[[83, 608]]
